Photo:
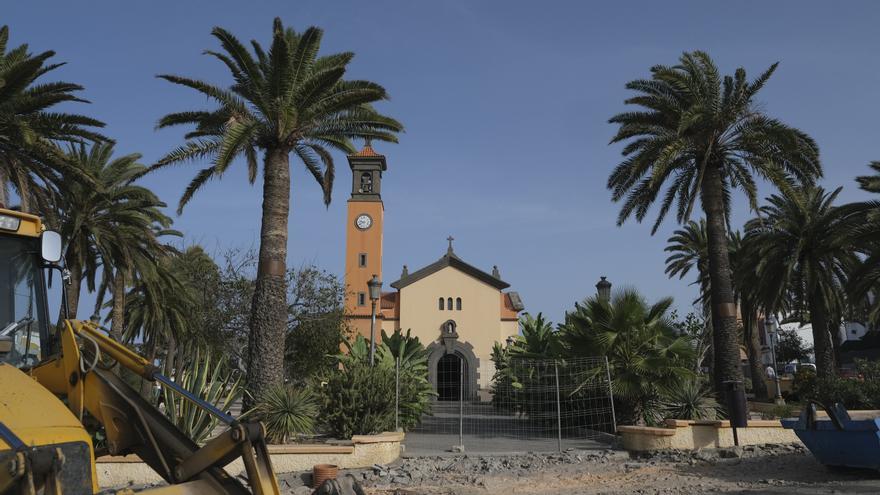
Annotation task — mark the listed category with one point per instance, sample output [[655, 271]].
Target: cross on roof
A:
[[450, 239]]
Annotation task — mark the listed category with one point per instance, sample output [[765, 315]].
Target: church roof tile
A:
[[367, 151]]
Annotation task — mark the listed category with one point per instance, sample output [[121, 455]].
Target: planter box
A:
[[360, 452], [692, 435]]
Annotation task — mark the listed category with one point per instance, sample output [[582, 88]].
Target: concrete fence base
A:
[[360, 452], [692, 435]]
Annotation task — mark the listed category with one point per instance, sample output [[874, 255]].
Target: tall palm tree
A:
[[700, 136], [647, 358], [805, 252], [114, 225], [29, 160], [284, 100]]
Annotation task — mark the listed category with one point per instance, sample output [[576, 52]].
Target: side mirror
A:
[[50, 246]]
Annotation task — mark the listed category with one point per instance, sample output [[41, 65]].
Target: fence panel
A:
[[536, 405]]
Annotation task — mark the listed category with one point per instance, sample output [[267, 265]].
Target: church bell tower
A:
[[363, 250]]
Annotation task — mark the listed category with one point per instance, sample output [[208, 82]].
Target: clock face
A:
[[363, 222]]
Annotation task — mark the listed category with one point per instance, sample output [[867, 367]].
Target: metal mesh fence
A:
[[535, 405]]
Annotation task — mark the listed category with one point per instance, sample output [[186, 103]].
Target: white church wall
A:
[[477, 323]]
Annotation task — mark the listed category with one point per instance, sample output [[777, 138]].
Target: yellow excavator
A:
[[58, 387]]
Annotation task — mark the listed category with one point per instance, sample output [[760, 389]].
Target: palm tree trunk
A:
[[753, 350], [822, 346], [117, 314], [170, 356], [146, 385], [724, 335], [72, 289], [268, 323], [4, 189]]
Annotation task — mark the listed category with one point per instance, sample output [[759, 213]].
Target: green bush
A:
[[780, 411], [287, 411], [648, 358], [358, 400], [853, 393], [415, 389]]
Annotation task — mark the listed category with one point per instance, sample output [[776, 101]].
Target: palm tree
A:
[[114, 226], [871, 183], [537, 339], [866, 278], [689, 248], [29, 159], [647, 358], [805, 252], [287, 100], [157, 313], [749, 295], [701, 136]]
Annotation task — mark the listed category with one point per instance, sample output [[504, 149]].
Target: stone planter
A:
[[360, 452], [692, 435]]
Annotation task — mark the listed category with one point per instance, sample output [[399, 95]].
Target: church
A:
[[457, 310]]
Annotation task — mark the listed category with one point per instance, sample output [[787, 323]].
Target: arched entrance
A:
[[446, 376], [449, 377]]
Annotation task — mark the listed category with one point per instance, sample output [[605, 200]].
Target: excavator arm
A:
[[134, 426]]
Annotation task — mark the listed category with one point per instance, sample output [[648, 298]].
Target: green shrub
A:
[[852, 393], [780, 411], [693, 399], [647, 357], [286, 411], [358, 399], [415, 389]]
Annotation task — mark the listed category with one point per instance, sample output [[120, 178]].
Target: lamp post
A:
[[375, 286], [603, 289], [771, 326]]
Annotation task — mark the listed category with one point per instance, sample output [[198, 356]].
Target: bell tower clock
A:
[[363, 250]]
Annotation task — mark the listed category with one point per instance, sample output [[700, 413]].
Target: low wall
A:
[[362, 451], [691, 435]]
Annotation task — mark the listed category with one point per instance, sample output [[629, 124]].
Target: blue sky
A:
[[505, 106]]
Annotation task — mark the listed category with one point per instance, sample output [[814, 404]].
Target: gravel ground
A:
[[770, 469]]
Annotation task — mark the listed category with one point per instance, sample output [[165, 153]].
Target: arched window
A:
[[440, 304], [449, 304], [366, 183], [458, 303]]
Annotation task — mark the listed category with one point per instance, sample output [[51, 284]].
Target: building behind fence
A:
[[536, 405]]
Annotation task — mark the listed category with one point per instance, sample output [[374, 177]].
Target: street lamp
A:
[[771, 326], [603, 289], [375, 286]]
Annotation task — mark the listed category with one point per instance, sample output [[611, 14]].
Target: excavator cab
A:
[[23, 306], [59, 385]]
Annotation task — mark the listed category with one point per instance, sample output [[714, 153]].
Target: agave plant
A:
[[208, 379], [286, 411], [693, 399]]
